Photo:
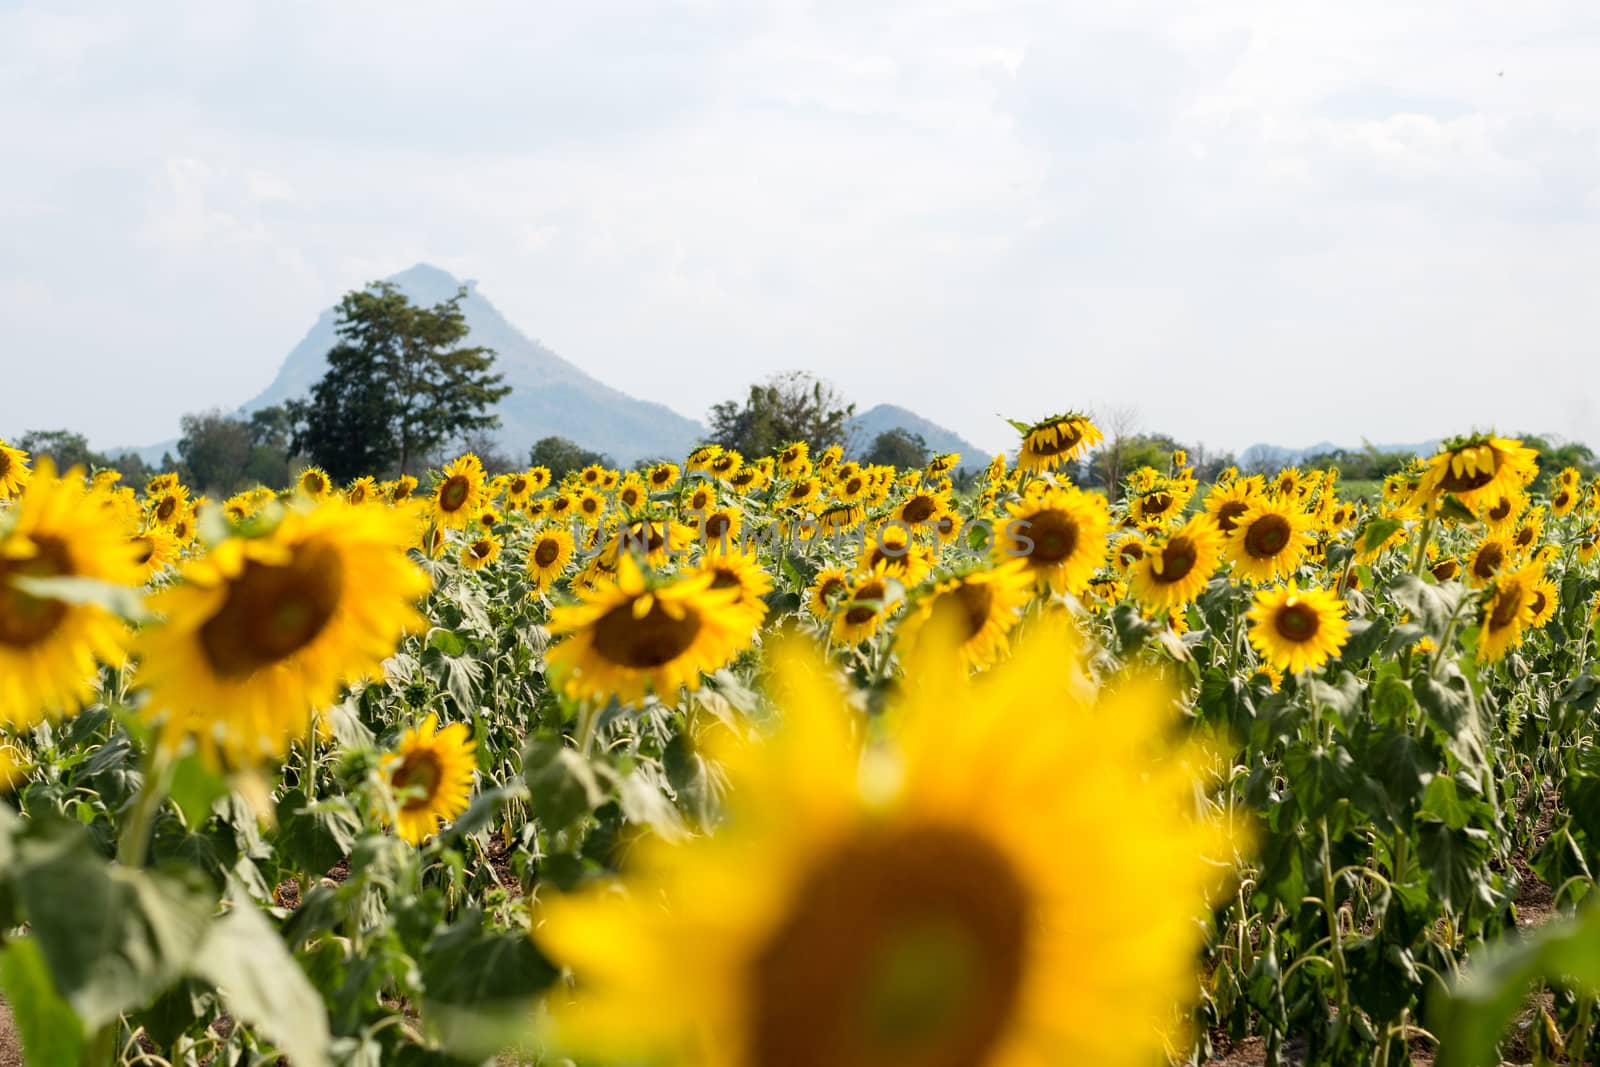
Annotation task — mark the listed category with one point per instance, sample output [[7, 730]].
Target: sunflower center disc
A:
[[651, 641], [863, 613], [420, 773], [1507, 603], [1267, 536], [963, 610], [273, 611], [165, 509], [1055, 535], [1228, 514], [1297, 621], [1488, 561], [453, 493], [1178, 559], [918, 509], [26, 620], [903, 948], [546, 553], [1466, 483]]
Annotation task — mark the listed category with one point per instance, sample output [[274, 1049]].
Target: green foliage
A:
[[562, 456], [400, 385], [898, 448], [794, 406]]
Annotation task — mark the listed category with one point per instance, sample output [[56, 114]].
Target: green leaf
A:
[[195, 788], [114, 938], [1470, 1022], [481, 986], [52, 1035], [315, 837], [562, 785], [1431, 604], [244, 957], [1455, 861], [1377, 532]]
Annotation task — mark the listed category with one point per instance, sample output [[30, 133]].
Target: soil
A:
[[10, 1043]]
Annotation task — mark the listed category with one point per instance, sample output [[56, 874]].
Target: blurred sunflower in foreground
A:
[[915, 906], [261, 633]]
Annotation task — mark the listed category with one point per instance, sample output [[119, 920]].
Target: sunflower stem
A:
[[1422, 547], [134, 845], [588, 720]]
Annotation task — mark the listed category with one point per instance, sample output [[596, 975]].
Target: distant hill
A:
[[549, 395], [1294, 456], [866, 426]]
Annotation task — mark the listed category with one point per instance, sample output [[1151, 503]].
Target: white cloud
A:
[[971, 209]]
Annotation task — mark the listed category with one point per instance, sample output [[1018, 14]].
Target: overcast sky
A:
[[1254, 221]]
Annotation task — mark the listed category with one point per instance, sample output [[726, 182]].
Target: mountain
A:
[[549, 396], [866, 426], [1289, 456]]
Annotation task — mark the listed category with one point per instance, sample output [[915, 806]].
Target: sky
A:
[[1231, 222]]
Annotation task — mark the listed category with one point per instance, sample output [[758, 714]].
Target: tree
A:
[[795, 406], [563, 457], [487, 448], [65, 449], [1556, 453], [215, 448], [399, 385], [898, 447], [1107, 464]]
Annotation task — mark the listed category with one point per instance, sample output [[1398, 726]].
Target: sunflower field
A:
[[788, 760]]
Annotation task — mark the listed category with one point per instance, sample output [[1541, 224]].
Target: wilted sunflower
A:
[[261, 633], [1056, 441], [50, 650], [1477, 468], [1061, 533], [631, 635], [14, 471], [1174, 571], [978, 609], [1507, 611], [430, 774], [549, 556], [1298, 629], [458, 494], [1269, 540], [844, 919], [480, 552]]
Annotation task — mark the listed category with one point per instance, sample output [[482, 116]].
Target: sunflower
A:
[[401, 489], [1227, 502], [313, 483], [1491, 555], [721, 527], [655, 540], [893, 552], [701, 499], [458, 494], [851, 488], [699, 460], [549, 556], [1447, 569], [923, 508], [1176, 569], [663, 476], [1061, 533], [632, 493], [1056, 441], [1563, 498], [430, 774], [1297, 629], [1105, 592], [487, 520], [363, 490], [1528, 532], [1162, 501], [1269, 540], [262, 633], [841, 918], [839, 516], [1507, 611], [802, 492], [14, 471], [861, 610], [733, 569], [629, 635], [725, 464], [979, 608], [829, 458], [480, 552], [794, 461], [592, 476], [590, 506], [154, 549], [1128, 550], [50, 649], [1477, 468], [168, 507], [829, 584], [1545, 600]]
